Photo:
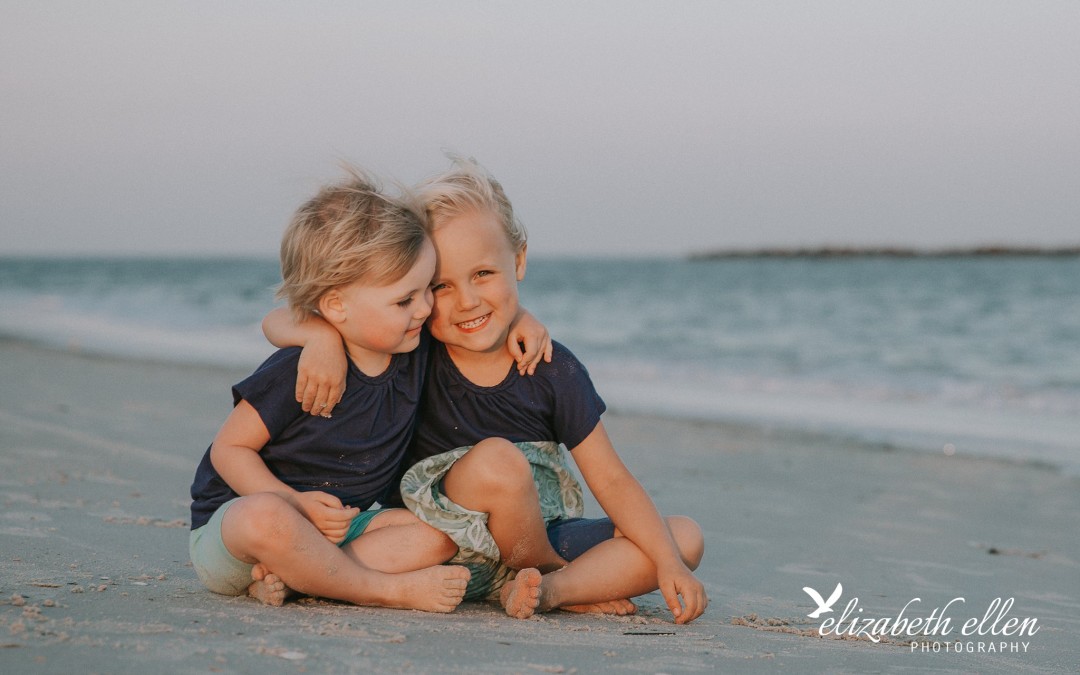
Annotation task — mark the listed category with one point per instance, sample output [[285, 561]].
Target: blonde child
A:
[[491, 472], [281, 499], [504, 418]]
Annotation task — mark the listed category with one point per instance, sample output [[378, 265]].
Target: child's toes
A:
[[521, 595]]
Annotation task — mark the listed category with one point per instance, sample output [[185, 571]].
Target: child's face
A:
[[475, 286], [386, 319]]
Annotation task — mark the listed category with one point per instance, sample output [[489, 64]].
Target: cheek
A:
[[439, 307], [392, 323], [506, 295]]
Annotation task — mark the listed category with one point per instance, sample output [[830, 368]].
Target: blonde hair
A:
[[346, 233], [467, 186]]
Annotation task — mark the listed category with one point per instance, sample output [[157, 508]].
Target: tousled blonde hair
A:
[[350, 231], [467, 186]]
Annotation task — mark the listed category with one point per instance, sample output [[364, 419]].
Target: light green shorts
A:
[[223, 573]]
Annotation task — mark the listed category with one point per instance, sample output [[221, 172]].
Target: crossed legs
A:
[[265, 530], [495, 477], [612, 569]]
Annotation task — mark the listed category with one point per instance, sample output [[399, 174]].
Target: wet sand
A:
[[96, 456]]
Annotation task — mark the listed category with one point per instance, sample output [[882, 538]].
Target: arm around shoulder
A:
[[528, 342], [320, 376]]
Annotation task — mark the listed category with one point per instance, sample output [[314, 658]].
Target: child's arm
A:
[[628, 505], [528, 342], [235, 456], [320, 376]]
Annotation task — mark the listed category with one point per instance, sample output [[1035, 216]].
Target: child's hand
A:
[[327, 513], [320, 375], [682, 584], [534, 336]]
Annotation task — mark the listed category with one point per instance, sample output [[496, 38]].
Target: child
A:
[[505, 493], [281, 498], [474, 397]]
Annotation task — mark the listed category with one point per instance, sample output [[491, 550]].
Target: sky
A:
[[618, 128]]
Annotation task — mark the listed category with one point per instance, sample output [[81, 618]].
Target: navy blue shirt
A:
[[558, 403], [355, 455]]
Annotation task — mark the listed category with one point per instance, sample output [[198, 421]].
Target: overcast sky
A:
[[617, 127]]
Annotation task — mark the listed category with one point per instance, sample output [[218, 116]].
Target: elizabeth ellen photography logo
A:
[[992, 633]]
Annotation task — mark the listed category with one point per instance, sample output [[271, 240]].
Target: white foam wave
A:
[[874, 413], [47, 321]]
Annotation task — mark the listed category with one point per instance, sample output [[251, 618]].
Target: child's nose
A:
[[423, 308], [467, 298]]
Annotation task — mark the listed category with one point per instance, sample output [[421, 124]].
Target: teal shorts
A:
[[223, 573]]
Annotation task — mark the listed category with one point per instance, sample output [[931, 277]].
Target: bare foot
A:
[[433, 589], [521, 595], [267, 587], [622, 607]]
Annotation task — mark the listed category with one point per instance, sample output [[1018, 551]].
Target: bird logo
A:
[[823, 605]]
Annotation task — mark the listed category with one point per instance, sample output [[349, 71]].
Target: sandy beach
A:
[[96, 457]]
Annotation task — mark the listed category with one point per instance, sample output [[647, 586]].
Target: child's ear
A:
[[331, 306], [519, 263]]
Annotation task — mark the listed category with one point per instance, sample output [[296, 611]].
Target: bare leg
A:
[[397, 541], [614, 569], [495, 478], [264, 528]]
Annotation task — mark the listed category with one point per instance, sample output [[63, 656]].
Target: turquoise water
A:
[[956, 355]]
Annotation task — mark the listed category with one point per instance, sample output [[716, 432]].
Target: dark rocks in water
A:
[[888, 252]]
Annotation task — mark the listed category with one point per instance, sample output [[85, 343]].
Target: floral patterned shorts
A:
[[560, 497]]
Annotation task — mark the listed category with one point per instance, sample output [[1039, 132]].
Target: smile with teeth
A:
[[473, 324]]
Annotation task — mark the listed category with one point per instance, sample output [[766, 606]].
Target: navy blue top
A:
[[558, 403], [355, 455]]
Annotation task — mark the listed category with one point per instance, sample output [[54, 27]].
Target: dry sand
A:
[[96, 457]]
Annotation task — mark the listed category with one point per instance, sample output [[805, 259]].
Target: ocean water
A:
[[963, 355]]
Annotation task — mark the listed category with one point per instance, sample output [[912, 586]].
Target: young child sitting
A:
[[281, 498], [491, 472]]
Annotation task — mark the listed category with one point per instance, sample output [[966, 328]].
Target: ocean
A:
[[955, 355]]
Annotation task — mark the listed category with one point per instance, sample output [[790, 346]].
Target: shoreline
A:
[[921, 440], [97, 453]]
